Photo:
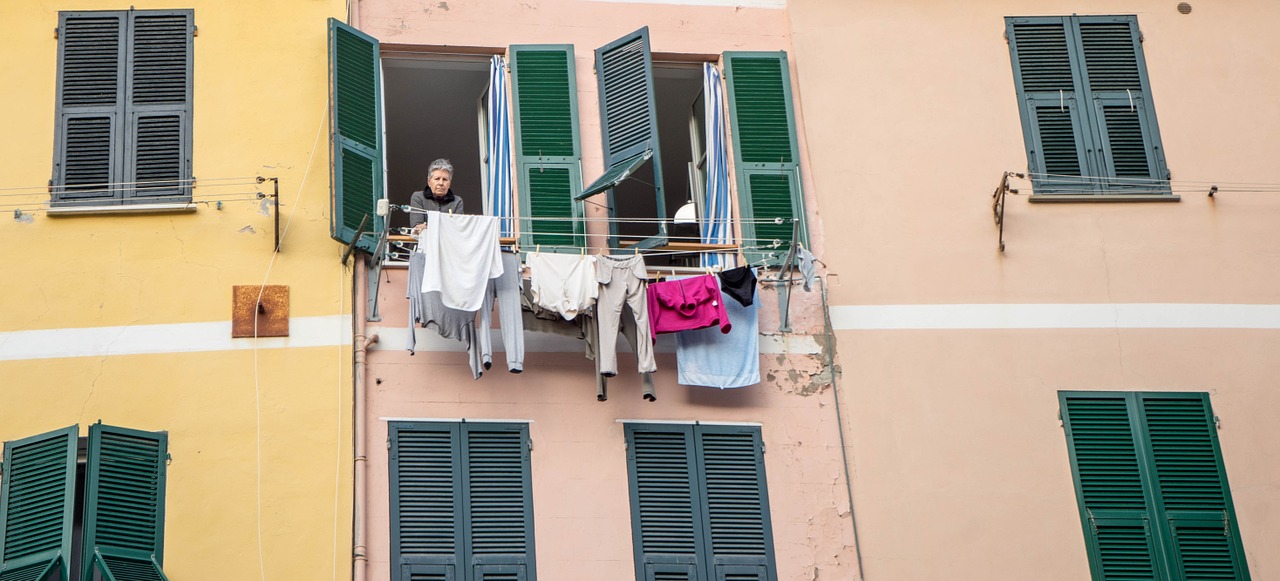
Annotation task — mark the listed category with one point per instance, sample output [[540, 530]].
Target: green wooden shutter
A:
[[499, 502], [37, 504], [1191, 483], [158, 85], [1055, 125], [90, 107], [1114, 502], [124, 503], [548, 157], [355, 112], [426, 501], [666, 514], [766, 156], [1115, 75], [628, 122], [737, 527]]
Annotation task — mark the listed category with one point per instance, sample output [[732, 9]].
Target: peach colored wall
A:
[[582, 517], [960, 464]]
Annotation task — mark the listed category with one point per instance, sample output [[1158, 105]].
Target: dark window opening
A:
[[434, 108]]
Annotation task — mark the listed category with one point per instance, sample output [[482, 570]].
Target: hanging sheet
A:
[[498, 192], [717, 217]]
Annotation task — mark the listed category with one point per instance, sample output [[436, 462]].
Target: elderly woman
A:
[[435, 196]]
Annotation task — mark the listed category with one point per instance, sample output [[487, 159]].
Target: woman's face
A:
[[439, 182]]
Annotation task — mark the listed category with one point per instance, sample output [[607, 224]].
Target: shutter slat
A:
[[160, 56], [734, 504], [1058, 141], [1042, 57], [664, 493], [1125, 549], [626, 86], [1185, 460], [1110, 56], [133, 569], [1205, 551], [124, 507], [356, 83], [425, 486], [157, 154], [771, 199], [1105, 454], [763, 127], [544, 109], [36, 503], [91, 61]]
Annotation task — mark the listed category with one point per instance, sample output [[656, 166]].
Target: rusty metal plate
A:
[[271, 317]]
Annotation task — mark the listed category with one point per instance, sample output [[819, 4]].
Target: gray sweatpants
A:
[[427, 309], [506, 289], [622, 281]]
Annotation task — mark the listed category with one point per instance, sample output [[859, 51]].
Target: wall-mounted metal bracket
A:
[[275, 200], [997, 206]]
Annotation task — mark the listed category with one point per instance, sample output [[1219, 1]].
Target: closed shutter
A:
[[548, 163], [124, 503], [498, 501], [37, 503], [1192, 486], [1114, 504], [1116, 76], [629, 121], [731, 460], [1085, 103], [90, 107], [1152, 488], [666, 514], [461, 502], [426, 501], [355, 102], [766, 157], [158, 139]]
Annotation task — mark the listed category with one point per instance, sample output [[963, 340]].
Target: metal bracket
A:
[[375, 262], [997, 206], [784, 279], [275, 200]]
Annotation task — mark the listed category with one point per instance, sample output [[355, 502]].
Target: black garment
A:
[[740, 284], [423, 201]]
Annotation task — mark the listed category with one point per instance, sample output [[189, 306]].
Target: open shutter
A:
[[355, 111], [766, 157], [124, 503], [1129, 153], [731, 461], [1060, 151], [666, 516], [426, 498], [547, 152], [629, 121], [1186, 462], [158, 85], [1114, 506], [499, 502], [37, 503], [90, 108]]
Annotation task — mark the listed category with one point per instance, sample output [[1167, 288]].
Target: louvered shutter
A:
[[355, 111], [1114, 503], [158, 88], [548, 163], [124, 503], [1115, 74], [629, 122], [37, 504], [666, 512], [766, 157], [731, 466], [498, 500], [1192, 488], [426, 501], [90, 107], [1060, 151]]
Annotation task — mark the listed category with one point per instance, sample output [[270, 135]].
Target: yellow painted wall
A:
[[260, 106]]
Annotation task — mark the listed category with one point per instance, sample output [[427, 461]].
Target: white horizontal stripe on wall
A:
[[167, 338], [1056, 316]]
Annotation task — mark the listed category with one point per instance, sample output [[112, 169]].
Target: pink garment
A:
[[686, 304]]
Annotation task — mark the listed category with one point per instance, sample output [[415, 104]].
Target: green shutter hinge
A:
[[1006, 36], [1217, 422], [1141, 37], [1060, 423], [1226, 524], [168, 459], [55, 33], [388, 442], [530, 444], [1093, 522], [195, 30]]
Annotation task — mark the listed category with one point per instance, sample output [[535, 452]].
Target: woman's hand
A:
[[419, 228]]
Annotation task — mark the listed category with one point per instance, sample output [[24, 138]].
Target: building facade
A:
[[148, 433]]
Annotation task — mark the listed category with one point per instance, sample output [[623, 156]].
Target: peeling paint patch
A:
[[264, 207], [443, 6], [23, 218], [247, 230]]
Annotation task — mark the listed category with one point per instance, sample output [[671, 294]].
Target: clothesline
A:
[[624, 220]]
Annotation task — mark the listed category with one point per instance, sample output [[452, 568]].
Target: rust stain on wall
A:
[[271, 317]]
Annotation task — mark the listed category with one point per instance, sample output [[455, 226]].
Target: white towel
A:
[[462, 255], [564, 283]]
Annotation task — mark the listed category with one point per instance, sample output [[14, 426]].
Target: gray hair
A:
[[440, 164]]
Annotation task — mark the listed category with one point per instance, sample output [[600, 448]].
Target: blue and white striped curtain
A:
[[498, 195], [717, 215]]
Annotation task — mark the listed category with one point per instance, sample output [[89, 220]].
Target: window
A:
[[123, 108], [1151, 486], [110, 508], [461, 502], [637, 98], [1085, 101], [699, 503]]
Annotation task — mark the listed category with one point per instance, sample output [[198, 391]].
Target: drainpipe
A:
[[360, 345]]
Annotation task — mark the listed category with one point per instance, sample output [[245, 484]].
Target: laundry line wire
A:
[[193, 182], [228, 197]]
